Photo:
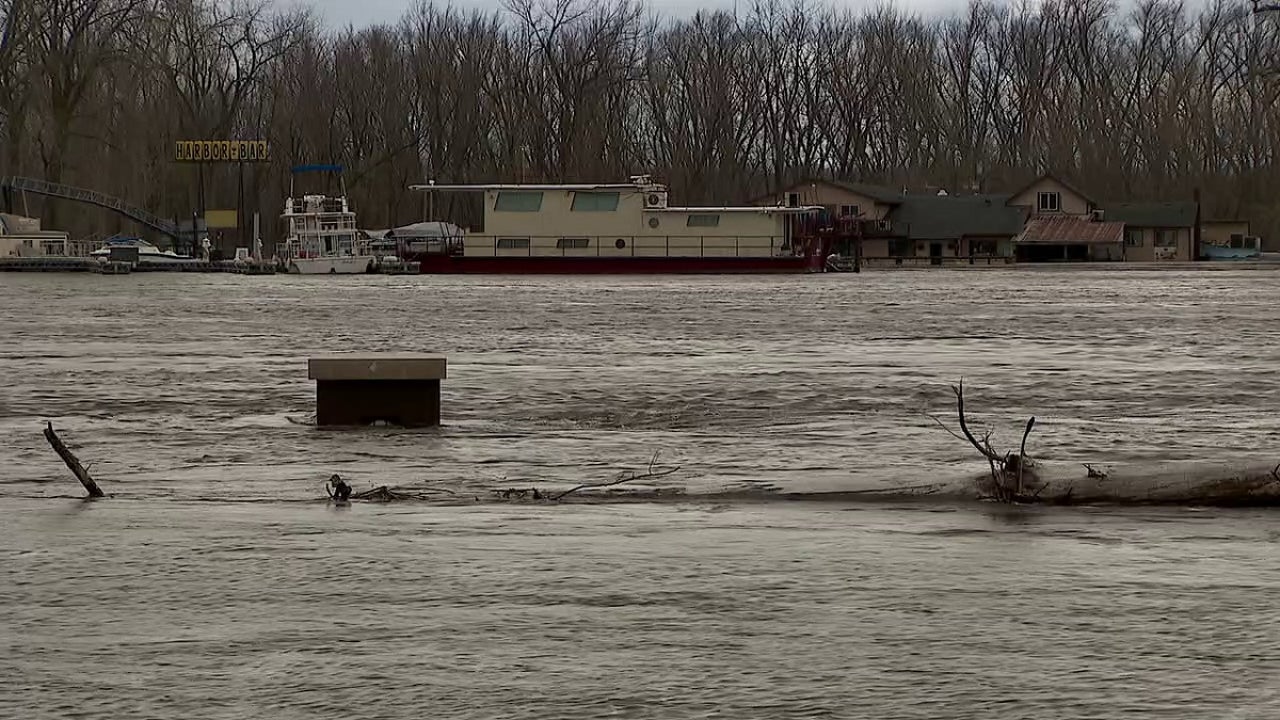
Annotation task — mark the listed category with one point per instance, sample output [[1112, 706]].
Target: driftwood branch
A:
[[340, 491], [1022, 451], [1009, 472], [626, 477], [72, 462], [386, 494], [983, 447], [1094, 473]]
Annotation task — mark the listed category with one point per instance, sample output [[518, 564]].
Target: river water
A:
[[760, 582]]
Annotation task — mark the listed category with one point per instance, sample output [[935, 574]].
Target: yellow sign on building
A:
[[222, 151]]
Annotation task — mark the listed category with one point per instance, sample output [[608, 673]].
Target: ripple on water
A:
[[191, 388]]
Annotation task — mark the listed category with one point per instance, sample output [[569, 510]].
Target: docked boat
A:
[[1238, 247], [137, 251], [321, 234], [620, 228]]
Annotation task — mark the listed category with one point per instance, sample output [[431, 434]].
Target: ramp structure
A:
[[90, 197]]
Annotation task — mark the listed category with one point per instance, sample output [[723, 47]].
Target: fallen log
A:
[[72, 462]]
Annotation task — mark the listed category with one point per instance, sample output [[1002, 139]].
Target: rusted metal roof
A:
[[1069, 230]]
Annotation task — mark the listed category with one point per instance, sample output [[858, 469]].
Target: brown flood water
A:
[[216, 584]]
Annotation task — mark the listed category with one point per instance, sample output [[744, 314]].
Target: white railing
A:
[[630, 246]]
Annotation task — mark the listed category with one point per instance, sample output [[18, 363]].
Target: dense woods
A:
[[1145, 102]]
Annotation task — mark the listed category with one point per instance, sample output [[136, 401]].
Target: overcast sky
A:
[[366, 12]]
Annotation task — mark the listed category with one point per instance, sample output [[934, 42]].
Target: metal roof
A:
[[946, 217], [880, 193], [1071, 230], [1153, 214]]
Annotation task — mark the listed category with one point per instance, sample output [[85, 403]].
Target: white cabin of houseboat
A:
[[620, 220]]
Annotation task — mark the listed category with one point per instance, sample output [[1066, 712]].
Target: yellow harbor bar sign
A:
[[222, 151]]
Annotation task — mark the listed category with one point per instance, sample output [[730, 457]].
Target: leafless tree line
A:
[[1131, 104]]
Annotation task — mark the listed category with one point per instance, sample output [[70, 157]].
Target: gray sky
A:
[[365, 12]]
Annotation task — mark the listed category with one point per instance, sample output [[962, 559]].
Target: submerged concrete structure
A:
[[363, 389]]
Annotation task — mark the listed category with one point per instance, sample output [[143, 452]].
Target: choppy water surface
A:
[[214, 584]]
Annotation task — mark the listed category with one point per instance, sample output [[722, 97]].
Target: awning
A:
[[1068, 230]]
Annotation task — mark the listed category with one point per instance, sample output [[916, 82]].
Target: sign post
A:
[[222, 151]]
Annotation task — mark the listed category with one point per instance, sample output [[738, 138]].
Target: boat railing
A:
[[633, 246], [328, 206], [321, 232]]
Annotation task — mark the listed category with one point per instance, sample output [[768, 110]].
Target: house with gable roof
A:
[[905, 228], [1046, 220], [838, 197], [1063, 224]]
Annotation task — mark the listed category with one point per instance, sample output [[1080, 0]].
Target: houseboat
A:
[[620, 228], [321, 234]]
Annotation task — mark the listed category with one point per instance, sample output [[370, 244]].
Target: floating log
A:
[[73, 463]]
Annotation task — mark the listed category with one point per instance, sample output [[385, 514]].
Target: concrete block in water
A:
[[363, 389]]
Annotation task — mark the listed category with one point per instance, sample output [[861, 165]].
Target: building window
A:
[[1132, 237], [572, 243], [793, 199], [848, 211], [518, 201], [902, 248], [1048, 202], [594, 202], [983, 247], [1167, 238], [703, 221], [513, 243]]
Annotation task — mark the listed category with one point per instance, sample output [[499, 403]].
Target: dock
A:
[[91, 265]]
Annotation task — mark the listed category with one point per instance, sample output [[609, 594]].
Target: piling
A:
[[353, 390]]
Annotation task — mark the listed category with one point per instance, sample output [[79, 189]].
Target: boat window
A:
[[513, 243], [1167, 238], [522, 201], [1133, 237], [703, 221], [595, 202], [572, 243]]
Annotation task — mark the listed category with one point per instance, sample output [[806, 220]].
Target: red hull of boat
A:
[[460, 265]]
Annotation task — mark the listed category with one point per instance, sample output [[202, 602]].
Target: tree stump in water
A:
[[72, 462]]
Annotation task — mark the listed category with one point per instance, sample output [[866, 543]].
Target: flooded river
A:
[[217, 583]]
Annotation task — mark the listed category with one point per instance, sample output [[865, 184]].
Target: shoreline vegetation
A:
[[1149, 101]]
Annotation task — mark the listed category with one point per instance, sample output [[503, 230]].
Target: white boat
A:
[[321, 235], [139, 252]]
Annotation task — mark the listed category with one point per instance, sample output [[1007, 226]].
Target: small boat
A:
[[321, 233], [138, 252], [1238, 247]]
